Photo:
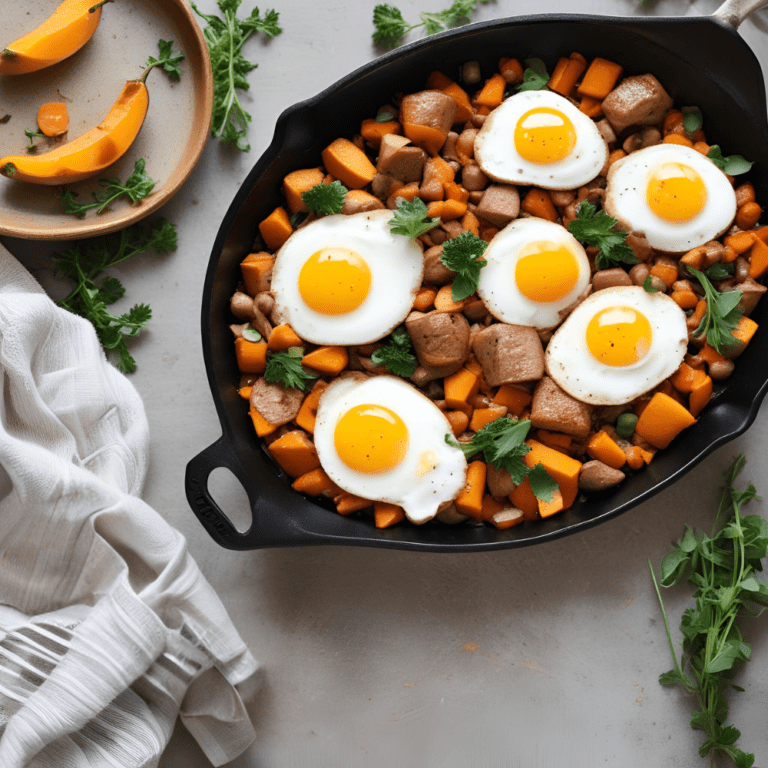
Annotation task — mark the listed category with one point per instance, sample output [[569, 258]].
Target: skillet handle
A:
[[218, 525], [733, 12]]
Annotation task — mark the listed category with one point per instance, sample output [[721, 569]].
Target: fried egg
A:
[[540, 138], [535, 272], [380, 438], [346, 279], [617, 344], [673, 194]]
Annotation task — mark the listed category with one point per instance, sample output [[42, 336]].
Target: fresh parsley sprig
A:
[[733, 165], [692, 120], [724, 569], [596, 228], [410, 219], [391, 27], [535, 76], [168, 60], [137, 186], [225, 38], [502, 443], [648, 285], [463, 255], [32, 135], [397, 354], [722, 315], [85, 261], [285, 367], [325, 198]]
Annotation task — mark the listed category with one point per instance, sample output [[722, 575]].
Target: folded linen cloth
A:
[[108, 630]]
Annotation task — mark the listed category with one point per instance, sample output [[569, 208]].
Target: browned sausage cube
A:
[[556, 410], [439, 338], [500, 204], [428, 109], [277, 403], [638, 100], [509, 353], [399, 160]]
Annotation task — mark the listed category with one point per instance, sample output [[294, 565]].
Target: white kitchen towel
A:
[[108, 630]]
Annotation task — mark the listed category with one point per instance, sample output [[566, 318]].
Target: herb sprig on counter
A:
[[410, 219], [85, 261], [285, 367], [463, 255], [391, 27], [168, 60], [723, 567], [137, 186], [722, 315], [397, 354], [596, 228], [502, 443], [325, 198], [225, 38]]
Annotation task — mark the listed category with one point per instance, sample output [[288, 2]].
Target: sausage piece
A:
[[556, 410], [500, 204], [509, 353], [596, 476], [439, 338], [399, 159], [277, 403], [638, 100]]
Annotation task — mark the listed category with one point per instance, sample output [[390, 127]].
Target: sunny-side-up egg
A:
[[673, 194], [617, 344], [540, 138], [346, 279], [535, 272], [381, 439]]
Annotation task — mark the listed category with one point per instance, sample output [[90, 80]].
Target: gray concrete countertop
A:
[[533, 658]]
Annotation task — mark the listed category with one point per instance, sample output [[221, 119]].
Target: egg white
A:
[[431, 472], [396, 264], [626, 201], [496, 154], [570, 363], [497, 287]]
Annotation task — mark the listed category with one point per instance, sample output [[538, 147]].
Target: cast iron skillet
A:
[[700, 61]]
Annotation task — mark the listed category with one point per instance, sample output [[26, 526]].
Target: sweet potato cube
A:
[[662, 420], [298, 182], [295, 453], [386, 515], [276, 228], [348, 164], [563, 469], [257, 272]]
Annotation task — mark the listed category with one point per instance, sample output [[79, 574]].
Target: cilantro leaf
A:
[[325, 198], [137, 186], [86, 260], [410, 219], [648, 285], [397, 354], [225, 38], [692, 120], [733, 165], [722, 315], [285, 367], [719, 271], [502, 443], [167, 60], [463, 255], [596, 229], [535, 77]]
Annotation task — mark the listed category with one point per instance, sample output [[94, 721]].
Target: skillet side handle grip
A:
[[733, 12], [200, 500]]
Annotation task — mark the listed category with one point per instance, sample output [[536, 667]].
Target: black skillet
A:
[[701, 61]]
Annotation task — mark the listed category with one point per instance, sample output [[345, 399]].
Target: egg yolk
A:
[[544, 135], [334, 281], [675, 192], [546, 271], [619, 336], [371, 438]]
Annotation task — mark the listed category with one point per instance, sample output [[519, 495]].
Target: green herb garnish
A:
[[137, 186], [463, 255], [30, 134], [692, 120], [502, 443], [285, 367], [722, 315], [168, 61], [724, 569], [719, 271], [535, 77], [86, 260], [397, 354], [384, 117], [733, 165], [410, 219], [225, 38], [325, 198], [648, 285], [4, 119], [596, 229]]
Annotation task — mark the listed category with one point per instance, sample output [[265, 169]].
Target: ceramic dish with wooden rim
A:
[[171, 139]]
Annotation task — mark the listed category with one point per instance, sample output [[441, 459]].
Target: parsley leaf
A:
[[30, 134], [410, 219], [463, 255], [225, 38], [502, 443], [733, 165], [722, 315], [535, 77], [391, 27], [85, 261], [648, 285], [285, 367], [596, 229], [719, 271], [397, 354], [692, 120], [723, 567], [325, 198], [167, 60], [4, 119], [137, 186]]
